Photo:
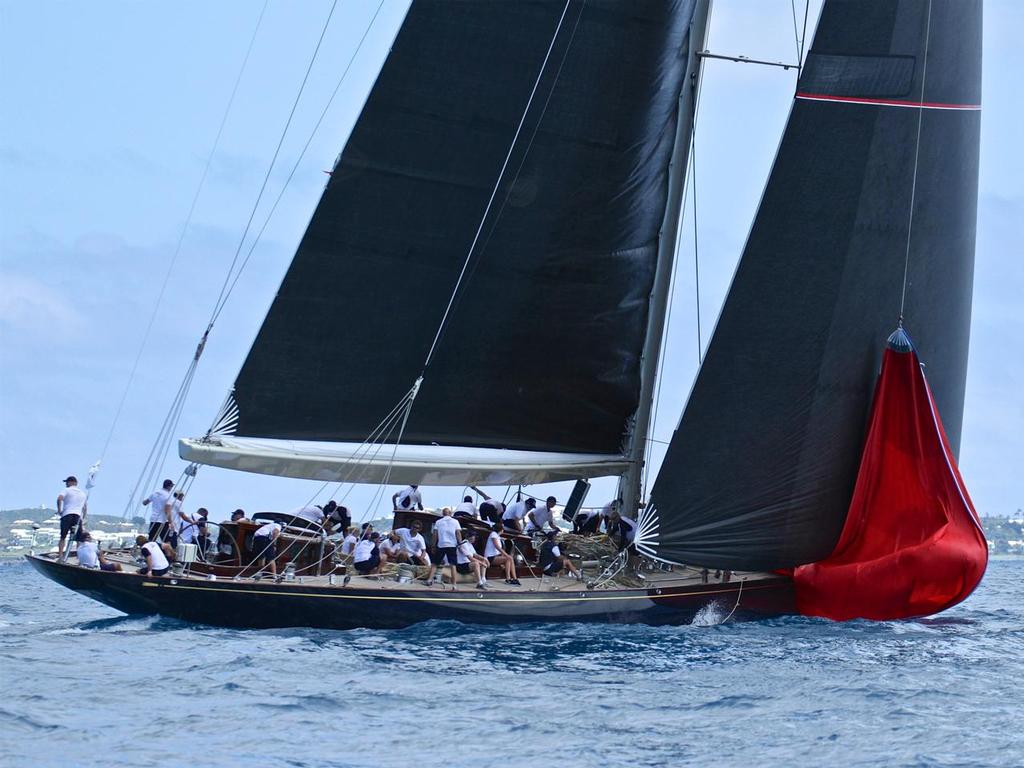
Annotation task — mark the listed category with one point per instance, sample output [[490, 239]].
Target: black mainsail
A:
[[542, 350], [760, 470]]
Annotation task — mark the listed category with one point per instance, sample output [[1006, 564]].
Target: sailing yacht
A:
[[511, 195]]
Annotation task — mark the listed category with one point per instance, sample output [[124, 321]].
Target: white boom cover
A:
[[420, 464]]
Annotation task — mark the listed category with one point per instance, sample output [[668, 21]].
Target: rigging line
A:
[[803, 41], [184, 230], [494, 192], [917, 151], [796, 30], [295, 167], [270, 168]]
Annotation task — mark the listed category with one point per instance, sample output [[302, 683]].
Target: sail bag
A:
[[912, 544]]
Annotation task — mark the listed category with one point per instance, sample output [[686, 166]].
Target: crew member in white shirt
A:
[[174, 518], [366, 557], [514, 514], [611, 508], [408, 498], [467, 509], [264, 546], [414, 546], [492, 510], [469, 561], [348, 544], [157, 556], [447, 537], [71, 506], [90, 556], [624, 527], [495, 553], [587, 521], [157, 503], [390, 548], [310, 512], [539, 517]]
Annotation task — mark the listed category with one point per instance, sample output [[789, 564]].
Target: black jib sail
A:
[[541, 351], [760, 471]]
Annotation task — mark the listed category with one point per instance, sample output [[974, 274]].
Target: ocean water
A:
[[81, 685]]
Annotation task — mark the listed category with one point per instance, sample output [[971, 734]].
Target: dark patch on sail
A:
[[858, 76], [760, 471], [543, 345]]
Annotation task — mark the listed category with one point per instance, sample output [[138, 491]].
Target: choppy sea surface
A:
[[81, 685]]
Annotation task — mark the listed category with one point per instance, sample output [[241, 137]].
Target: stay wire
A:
[[184, 230], [917, 152]]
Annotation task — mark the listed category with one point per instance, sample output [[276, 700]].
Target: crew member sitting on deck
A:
[[496, 555], [157, 503], [447, 537], [467, 508], [514, 514], [586, 522], [71, 504], [468, 560], [90, 555], [156, 555], [390, 547], [492, 510], [414, 547], [264, 546], [552, 561], [367, 555], [539, 517], [348, 545], [408, 499]]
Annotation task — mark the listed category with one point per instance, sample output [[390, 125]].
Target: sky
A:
[[109, 112]]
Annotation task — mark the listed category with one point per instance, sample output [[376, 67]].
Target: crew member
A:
[[238, 516], [492, 510], [174, 518], [623, 527], [611, 508], [447, 537], [310, 513], [91, 556], [367, 555], [336, 517], [348, 544], [586, 522], [264, 546], [408, 499], [467, 508], [71, 506], [514, 514], [390, 547], [157, 503], [496, 555], [552, 561], [413, 544], [157, 556], [539, 517], [467, 560]]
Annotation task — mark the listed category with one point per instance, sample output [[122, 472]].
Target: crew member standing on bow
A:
[[408, 499], [158, 503], [71, 504]]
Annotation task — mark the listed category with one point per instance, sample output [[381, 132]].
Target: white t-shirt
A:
[[311, 513], [410, 498], [543, 517], [364, 551], [516, 511], [267, 530], [187, 529], [495, 504], [175, 517], [469, 507], [465, 553], [74, 501], [389, 547], [88, 556], [445, 529], [157, 503], [494, 546], [414, 545], [349, 544], [157, 555]]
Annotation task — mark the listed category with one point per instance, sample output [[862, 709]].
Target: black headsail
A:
[[761, 468], [542, 348]]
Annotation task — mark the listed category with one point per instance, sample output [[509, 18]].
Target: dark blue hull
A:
[[261, 605]]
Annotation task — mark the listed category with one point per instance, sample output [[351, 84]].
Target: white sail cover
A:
[[420, 464]]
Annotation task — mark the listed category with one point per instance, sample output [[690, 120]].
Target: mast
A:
[[668, 237]]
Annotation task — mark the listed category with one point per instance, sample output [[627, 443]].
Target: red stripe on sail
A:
[[888, 102]]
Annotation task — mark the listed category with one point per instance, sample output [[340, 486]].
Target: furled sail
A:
[[541, 351], [761, 469], [912, 544]]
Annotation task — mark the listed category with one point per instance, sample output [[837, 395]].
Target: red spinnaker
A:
[[912, 544]]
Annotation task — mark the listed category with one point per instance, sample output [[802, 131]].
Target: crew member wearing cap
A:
[[536, 519], [552, 561], [514, 514], [159, 510], [238, 516], [71, 505]]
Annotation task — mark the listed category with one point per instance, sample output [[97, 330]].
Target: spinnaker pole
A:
[[637, 439]]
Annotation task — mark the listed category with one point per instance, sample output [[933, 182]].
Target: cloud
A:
[[31, 306]]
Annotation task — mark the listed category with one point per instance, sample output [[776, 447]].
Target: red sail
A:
[[912, 544]]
